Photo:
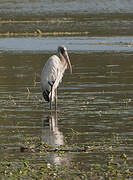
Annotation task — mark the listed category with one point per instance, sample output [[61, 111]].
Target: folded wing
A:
[[49, 76]]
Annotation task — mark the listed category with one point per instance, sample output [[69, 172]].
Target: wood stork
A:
[[52, 74]]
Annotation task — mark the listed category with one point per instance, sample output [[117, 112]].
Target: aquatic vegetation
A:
[[40, 33], [28, 93], [115, 166]]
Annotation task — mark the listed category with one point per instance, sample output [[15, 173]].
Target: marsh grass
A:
[[40, 33]]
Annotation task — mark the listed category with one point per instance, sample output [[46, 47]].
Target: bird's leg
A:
[[55, 99], [51, 100], [50, 105]]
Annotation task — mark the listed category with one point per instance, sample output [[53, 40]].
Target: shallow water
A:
[[94, 103], [94, 18], [74, 44]]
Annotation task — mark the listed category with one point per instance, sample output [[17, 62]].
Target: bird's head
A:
[[62, 50]]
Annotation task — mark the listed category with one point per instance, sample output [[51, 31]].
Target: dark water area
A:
[[95, 106], [90, 25]]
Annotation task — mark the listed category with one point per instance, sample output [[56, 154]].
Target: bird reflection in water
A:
[[54, 137], [51, 134]]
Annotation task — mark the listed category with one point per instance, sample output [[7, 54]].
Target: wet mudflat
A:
[[91, 135]]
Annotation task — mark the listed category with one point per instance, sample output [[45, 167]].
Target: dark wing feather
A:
[[46, 95], [46, 92]]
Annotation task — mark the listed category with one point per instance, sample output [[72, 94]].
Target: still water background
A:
[[94, 103]]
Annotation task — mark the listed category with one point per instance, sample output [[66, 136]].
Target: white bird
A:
[[52, 74]]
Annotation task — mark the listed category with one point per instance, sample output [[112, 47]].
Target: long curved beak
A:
[[68, 61]]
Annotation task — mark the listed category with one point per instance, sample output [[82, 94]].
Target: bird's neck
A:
[[62, 59]]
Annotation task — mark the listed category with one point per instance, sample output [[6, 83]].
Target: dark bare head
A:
[[63, 51]]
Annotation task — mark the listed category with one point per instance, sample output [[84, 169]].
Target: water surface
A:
[[79, 44], [94, 103]]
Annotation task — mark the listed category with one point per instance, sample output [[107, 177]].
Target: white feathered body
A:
[[52, 74]]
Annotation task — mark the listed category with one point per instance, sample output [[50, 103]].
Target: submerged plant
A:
[[28, 93], [11, 100]]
